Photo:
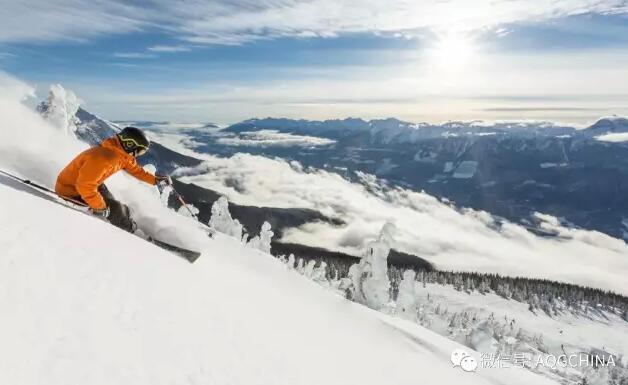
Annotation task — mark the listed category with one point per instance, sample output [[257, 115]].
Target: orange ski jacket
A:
[[82, 176]]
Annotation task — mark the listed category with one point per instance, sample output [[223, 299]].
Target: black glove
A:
[[163, 179], [101, 213]]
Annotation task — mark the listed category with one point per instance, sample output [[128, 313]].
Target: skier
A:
[[82, 179]]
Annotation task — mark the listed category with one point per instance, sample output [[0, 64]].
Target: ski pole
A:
[[180, 199]]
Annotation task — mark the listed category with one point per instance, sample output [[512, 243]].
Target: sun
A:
[[452, 50]]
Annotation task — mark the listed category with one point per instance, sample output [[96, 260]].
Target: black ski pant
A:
[[119, 213]]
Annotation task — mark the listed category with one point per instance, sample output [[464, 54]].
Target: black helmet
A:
[[133, 141]]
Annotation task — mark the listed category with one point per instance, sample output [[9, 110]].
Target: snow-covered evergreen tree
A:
[[407, 297], [262, 241], [320, 274], [504, 290], [370, 283], [265, 237], [309, 269], [291, 261], [485, 286], [300, 266], [221, 219], [60, 108]]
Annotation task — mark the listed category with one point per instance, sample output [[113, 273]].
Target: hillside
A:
[[83, 302]]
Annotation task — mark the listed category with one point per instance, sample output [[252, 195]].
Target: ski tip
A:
[[189, 255], [192, 256]]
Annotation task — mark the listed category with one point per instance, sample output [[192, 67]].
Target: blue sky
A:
[[225, 61]]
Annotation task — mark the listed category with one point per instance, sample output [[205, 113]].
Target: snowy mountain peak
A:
[[608, 125], [395, 131], [93, 129]]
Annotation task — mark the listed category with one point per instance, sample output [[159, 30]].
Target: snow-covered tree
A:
[[265, 237], [262, 241], [370, 283], [221, 219], [60, 108], [320, 273], [484, 287], [309, 268], [407, 297], [504, 290], [290, 262], [300, 266]]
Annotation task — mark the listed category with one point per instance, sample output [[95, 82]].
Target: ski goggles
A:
[[138, 149]]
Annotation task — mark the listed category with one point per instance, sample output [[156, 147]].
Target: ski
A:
[[189, 255], [48, 194]]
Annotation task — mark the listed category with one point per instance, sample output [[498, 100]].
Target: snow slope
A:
[[83, 302]]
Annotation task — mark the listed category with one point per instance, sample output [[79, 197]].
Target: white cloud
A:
[[614, 138], [461, 240], [238, 21], [169, 48], [273, 138], [41, 20], [134, 55], [328, 18]]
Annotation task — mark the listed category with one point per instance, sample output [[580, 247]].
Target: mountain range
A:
[[509, 169]]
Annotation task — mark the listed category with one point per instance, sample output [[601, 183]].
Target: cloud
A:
[[614, 138], [455, 239], [240, 21], [134, 55], [169, 48], [78, 20], [536, 109], [273, 138], [125, 65], [280, 18]]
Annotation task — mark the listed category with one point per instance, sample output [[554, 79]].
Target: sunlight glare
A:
[[452, 50]]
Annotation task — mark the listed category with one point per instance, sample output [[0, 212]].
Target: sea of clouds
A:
[[449, 237]]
